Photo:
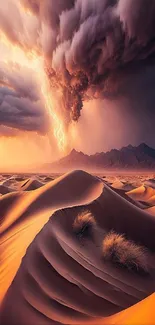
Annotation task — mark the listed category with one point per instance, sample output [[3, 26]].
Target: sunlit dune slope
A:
[[151, 201], [141, 193]]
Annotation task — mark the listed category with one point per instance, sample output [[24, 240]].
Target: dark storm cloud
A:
[[21, 113], [91, 45], [20, 79], [21, 106]]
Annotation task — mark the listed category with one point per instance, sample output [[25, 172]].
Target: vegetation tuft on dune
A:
[[84, 224], [117, 249]]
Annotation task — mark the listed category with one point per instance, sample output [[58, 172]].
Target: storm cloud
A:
[[89, 45], [21, 105], [92, 50]]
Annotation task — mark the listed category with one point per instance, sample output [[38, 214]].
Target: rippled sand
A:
[[77, 249]]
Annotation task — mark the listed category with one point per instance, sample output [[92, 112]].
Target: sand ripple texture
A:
[[56, 266]]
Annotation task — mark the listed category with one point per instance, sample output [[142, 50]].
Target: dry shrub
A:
[[117, 249], [84, 225]]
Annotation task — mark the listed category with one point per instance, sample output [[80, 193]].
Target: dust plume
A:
[[88, 45]]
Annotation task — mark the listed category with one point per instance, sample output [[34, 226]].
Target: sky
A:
[[74, 74]]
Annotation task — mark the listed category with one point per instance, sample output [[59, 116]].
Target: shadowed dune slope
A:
[[150, 182], [64, 277], [4, 189]]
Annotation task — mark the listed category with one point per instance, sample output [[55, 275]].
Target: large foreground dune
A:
[[76, 251]]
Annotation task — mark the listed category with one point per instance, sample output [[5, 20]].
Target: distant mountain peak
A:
[[73, 151], [143, 145], [130, 146], [129, 157]]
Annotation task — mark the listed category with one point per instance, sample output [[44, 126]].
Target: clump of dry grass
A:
[[84, 224], [117, 249]]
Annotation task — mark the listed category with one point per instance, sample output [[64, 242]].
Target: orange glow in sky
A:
[[13, 53]]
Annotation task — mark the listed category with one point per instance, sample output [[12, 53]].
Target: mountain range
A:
[[130, 157]]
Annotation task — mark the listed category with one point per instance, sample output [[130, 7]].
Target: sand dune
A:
[[23, 214], [20, 178], [30, 184], [142, 193], [10, 183], [150, 182], [122, 185], [5, 189], [48, 179], [151, 200], [64, 277]]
